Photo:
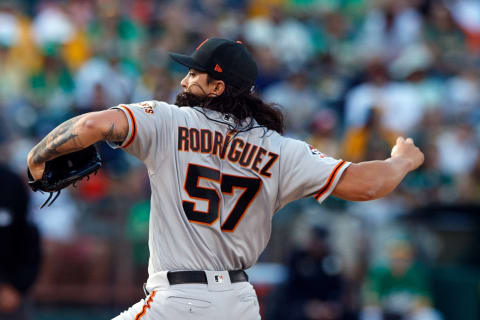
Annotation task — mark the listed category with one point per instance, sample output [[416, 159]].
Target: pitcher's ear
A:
[[219, 87]]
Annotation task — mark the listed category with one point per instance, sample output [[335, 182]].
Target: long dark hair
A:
[[241, 104]]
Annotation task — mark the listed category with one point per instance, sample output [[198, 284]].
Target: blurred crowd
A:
[[350, 75]]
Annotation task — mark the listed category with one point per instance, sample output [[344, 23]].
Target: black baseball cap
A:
[[222, 59]]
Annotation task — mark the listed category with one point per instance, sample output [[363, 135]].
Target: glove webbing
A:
[[58, 192], [49, 197]]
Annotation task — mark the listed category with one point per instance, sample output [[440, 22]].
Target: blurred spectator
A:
[[414, 66], [370, 142], [462, 92], [101, 83], [399, 106], [400, 290], [315, 288], [113, 31], [429, 179], [19, 250], [297, 99], [411, 64], [389, 28], [324, 128], [17, 54], [333, 82], [137, 231], [458, 149], [52, 84], [270, 69], [470, 187], [52, 26], [467, 13], [157, 84], [288, 39], [443, 35]]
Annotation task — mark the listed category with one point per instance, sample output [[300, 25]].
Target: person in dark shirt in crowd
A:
[[19, 247], [315, 283]]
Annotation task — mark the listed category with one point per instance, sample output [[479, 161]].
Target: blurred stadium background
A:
[[350, 75]]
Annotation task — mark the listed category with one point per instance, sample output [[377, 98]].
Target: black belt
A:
[[179, 277]]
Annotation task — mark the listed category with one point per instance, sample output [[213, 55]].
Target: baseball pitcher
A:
[[219, 169]]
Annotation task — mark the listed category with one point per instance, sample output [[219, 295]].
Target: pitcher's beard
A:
[[188, 99]]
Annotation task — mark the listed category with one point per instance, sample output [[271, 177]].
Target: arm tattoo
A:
[[65, 139], [114, 134], [47, 149]]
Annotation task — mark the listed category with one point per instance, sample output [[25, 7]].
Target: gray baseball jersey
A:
[[214, 191]]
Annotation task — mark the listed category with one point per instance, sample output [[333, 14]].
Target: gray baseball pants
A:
[[212, 301]]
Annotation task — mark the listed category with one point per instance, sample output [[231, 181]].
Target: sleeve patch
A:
[[147, 107], [315, 152]]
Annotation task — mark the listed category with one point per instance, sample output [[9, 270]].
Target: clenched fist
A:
[[406, 149]]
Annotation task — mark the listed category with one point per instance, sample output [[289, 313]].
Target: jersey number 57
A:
[[228, 183]]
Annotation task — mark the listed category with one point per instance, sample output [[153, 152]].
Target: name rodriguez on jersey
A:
[[236, 151]]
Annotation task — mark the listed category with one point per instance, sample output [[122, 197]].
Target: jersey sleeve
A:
[[305, 171], [149, 124]]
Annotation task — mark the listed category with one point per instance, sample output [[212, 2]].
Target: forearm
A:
[[72, 135], [375, 179], [371, 180], [385, 175]]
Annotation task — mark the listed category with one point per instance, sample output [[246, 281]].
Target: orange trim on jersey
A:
[[330, 180], [145, 306], [134, 127]]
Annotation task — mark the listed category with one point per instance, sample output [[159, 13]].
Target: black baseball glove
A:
[[66, 170]]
